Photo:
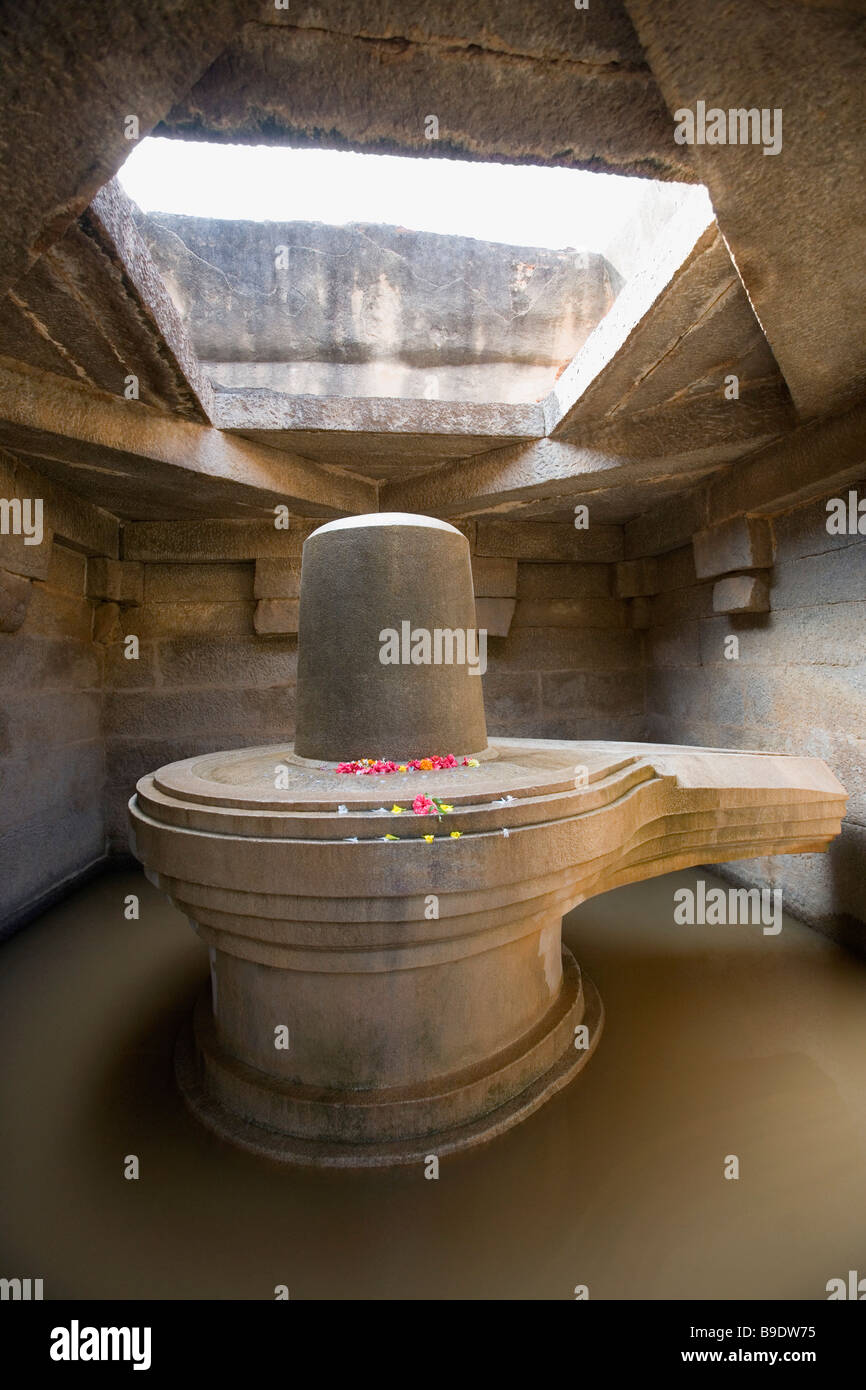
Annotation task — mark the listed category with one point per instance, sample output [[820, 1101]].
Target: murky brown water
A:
[[718, 1041]]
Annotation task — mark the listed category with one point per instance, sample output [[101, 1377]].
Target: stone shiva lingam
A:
[[382, 901]]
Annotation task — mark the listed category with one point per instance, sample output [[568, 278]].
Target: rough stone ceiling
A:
[[773, 294], [636, 416], [530, 82]]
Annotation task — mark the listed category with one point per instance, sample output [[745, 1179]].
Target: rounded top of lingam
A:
[[390, 657], [385, 519]]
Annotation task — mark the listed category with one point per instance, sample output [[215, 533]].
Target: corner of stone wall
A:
[[52, 824], [757, 640]]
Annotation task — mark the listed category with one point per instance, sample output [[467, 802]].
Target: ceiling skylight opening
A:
[[327, 273], [517, 205]]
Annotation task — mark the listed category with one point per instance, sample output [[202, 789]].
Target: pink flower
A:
[[435, 762], [423, 806]]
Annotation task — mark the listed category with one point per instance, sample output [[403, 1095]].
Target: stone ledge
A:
[[495, 615], [744, 543], [158, 620], [231, 582], [257, 409], [598, 613], [277, 616], [571, 579], [196, 542], [741, 593], [494, 577], [277, 578], [555, 540], [115, 581]]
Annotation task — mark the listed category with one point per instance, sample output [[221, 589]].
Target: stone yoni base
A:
[[376, 1000]]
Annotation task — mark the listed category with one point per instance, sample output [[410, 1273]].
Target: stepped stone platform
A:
[[411, 1034], [387, 985]]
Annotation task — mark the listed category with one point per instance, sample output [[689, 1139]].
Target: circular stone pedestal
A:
[[373, 1000], [306, 1125]]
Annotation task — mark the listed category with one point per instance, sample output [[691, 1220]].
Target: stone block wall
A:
[[570, 662], [796, 685], [52, 755], [52, 760], [570, 666], [204, 676]]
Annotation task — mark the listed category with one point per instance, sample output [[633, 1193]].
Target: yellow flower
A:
[[443, 806], [473, 762], [429, 839], [402, 767], [455, 834], [392, 837], [396, 810]]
